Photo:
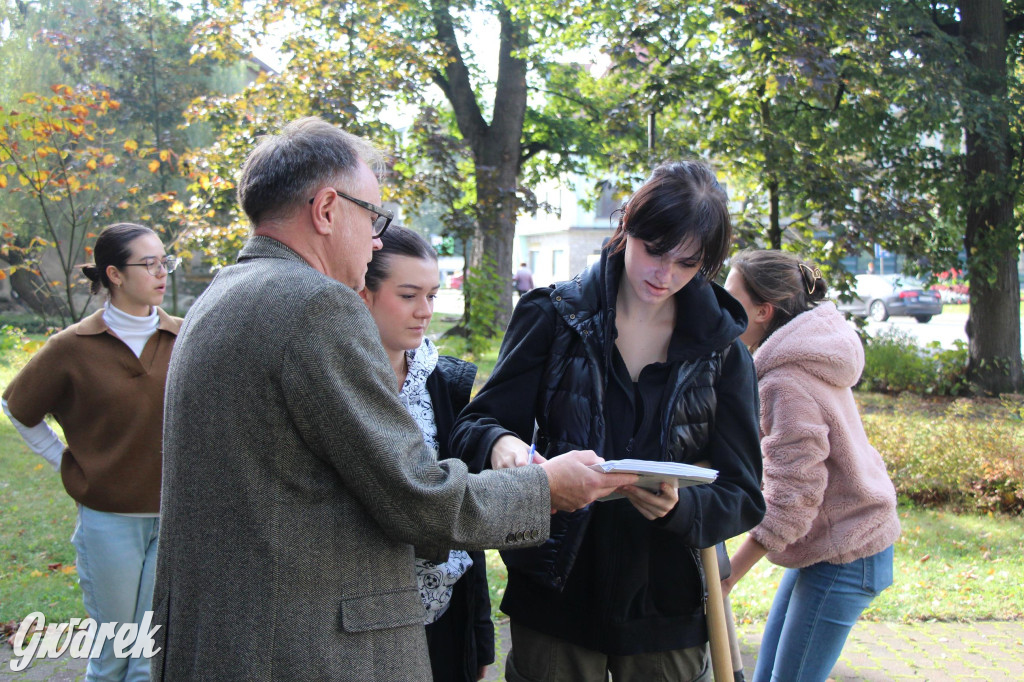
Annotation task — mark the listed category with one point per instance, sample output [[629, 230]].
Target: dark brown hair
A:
[[398, 241], [681, 201], [781, 279], [112, 248]]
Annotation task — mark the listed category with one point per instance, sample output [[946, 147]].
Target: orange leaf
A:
[[3, 181], [130, 145], [3, 275], [154, 166]]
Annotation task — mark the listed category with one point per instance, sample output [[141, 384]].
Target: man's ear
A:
[[322, 210]]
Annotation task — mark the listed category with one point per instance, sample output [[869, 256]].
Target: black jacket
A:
[[608, 579], [462, 639]]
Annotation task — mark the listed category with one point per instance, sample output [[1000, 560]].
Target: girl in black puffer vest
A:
[[637, 357]]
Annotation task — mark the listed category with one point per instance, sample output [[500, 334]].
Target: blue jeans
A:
[[116, 569], [812, 615]]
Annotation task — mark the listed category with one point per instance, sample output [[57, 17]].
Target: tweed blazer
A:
[[295, 485]]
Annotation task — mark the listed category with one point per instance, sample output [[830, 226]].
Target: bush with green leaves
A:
[[969, 456], [894, 363]]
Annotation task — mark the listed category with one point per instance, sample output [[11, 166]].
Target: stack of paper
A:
[[653, 473]]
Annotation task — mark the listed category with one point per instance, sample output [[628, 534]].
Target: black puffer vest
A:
[[573, 416]]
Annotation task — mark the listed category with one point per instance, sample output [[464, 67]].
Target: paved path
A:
[[988, 651]]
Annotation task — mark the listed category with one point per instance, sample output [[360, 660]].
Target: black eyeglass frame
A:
[[381, 212], [168, 264]]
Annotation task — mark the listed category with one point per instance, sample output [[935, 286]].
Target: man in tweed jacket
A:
[[295, 484]]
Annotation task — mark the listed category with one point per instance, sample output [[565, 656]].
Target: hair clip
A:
[[814, 274]]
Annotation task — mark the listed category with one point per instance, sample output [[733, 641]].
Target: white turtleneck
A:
[[135, 332]]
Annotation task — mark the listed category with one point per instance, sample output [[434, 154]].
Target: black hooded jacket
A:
[[607, 578]]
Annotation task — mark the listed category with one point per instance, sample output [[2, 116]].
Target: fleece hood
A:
[[820, 342]]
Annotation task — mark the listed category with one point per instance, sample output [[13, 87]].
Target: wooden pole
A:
[[718, 633]]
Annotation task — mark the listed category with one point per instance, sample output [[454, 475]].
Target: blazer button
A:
[[534, 533], [520, 536], [572, 316], [558, 298], [511, 537]]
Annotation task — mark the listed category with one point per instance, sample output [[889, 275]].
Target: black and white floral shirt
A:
[[435, 580]]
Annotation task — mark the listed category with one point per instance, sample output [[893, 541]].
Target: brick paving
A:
[[985, 651]]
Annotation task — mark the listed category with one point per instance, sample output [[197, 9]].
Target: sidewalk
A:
[[987, 651]]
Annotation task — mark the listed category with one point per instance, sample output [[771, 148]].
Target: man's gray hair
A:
[[285, 170]]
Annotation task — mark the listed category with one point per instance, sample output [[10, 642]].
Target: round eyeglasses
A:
[[155, 266]]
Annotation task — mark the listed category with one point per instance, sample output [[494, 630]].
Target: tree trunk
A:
[[496, 156], [993, 325], [774, 228]]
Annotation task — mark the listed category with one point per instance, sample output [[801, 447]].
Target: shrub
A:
[[893, 363], [30, 323], [967, 457]]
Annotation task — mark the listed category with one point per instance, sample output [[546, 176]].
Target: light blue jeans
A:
[[812, 615], [116, 569]]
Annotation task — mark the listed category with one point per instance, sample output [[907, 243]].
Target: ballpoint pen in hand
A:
[[533, 449]]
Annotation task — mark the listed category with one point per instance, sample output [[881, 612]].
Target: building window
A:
[[557, 263]]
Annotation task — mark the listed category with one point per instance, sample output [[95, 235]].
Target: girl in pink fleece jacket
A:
[[831, 508]]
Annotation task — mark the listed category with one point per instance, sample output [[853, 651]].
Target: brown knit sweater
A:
[[110, 404]]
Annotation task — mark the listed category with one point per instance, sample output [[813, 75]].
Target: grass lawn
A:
[[949, 566]]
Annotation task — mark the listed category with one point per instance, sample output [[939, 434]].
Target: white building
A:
[[558, 243]]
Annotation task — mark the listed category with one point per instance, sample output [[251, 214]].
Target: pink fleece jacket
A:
[[827, 492]]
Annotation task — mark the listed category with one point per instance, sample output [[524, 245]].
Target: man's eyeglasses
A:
[[155, 266], [384, 216]]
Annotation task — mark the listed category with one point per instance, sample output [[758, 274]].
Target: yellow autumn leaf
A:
[[165, 155], [91, 164], [130, 145], [3, 181], [154, 166], [38, 467], [37, 574]]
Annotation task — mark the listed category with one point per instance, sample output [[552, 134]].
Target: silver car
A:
[[882, 296]]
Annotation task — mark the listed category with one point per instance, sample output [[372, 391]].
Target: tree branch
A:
[[1014, 24], [455, 81], [528, 151]]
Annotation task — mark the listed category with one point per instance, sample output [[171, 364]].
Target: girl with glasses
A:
[[102, 380], [831, 509], [401, 284]]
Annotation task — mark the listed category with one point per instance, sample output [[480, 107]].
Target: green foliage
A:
[[893, 363], [483, 285], [969, 454]]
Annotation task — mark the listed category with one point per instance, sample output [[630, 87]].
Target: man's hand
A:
[[509, 452], [574, 485], [652, 505]]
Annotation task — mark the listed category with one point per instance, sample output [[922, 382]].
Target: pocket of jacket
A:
[[381, 610]]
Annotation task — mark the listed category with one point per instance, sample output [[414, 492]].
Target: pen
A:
[[533, 449]]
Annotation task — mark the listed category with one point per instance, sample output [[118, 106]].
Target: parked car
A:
[[882, 296], [456, 282]]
